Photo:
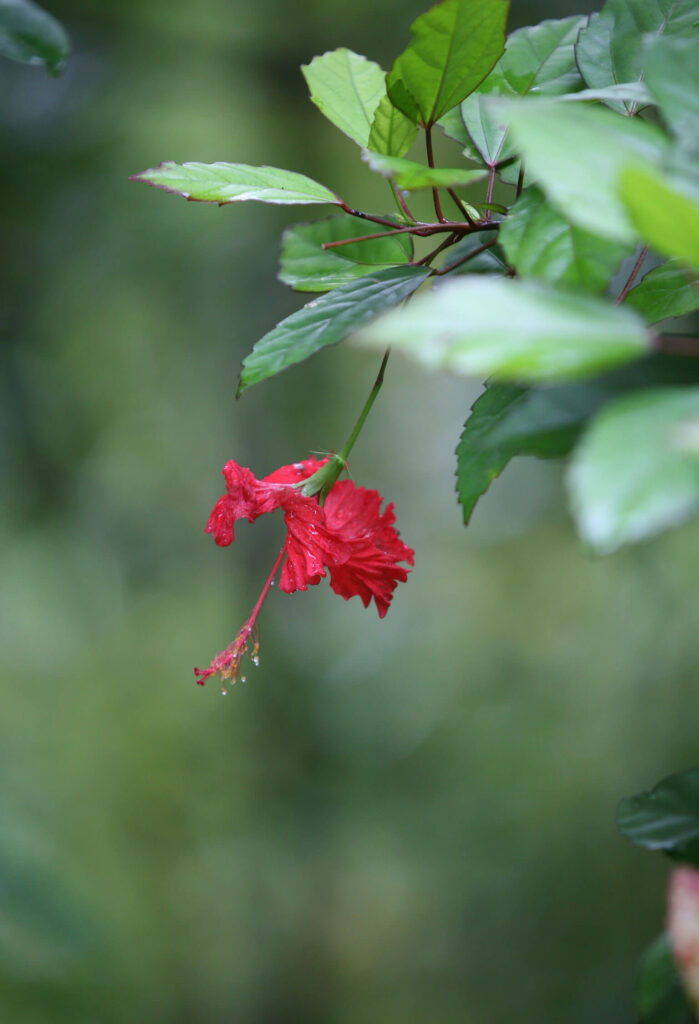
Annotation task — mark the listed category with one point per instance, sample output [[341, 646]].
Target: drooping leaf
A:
[[610, 47], [540, 242], [454, 45], [512, 330], [328, 319], [391, 131], [660, 998], [347, 88], [666, 291], [577, 155], [307, 267], [31, 35], [672, 78], [666, 817], [480, 459], [631, 477], [538, 59], [235, 183], [665, 212], [411, 175]]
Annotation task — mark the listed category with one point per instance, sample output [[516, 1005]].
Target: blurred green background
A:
[[405, 820]]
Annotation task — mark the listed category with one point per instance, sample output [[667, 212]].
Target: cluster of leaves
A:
[[589, 128], [665, 819]]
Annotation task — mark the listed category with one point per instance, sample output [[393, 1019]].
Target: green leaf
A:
[[307, 267], [667, 817], [540, 242], [480, 459], [29, 34], [672, 78], [567, 407], [454, 45], [660, 998], [235, 183], [411, 175], [540, 59], [633, 91], [630, 477], [347, 88], [391, 131], [665, 211], [610, 48], [577, 155], [492, 261], [514, 330], [664, 292], [327, 320]]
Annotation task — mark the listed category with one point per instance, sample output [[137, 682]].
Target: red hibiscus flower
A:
[[347, 536]]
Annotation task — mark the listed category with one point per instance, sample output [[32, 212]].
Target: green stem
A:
[[344, 454]]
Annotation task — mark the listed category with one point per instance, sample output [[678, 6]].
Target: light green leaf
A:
[[411, 175], [514, 330], [666, 817], [540, 59], [235, 183], [346, 88], [391, 131], [539, 242], [480, 459], [672, 78], [454, 45], [577, 154], [307, 267], [665, 211], [667, 291], [629, 477], [327, 320], [29, 34], [660, 998], [610, 47]]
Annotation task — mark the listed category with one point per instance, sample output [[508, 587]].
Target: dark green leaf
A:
[[307, 267], [659, 995], [492, 261], [577, 155], [632, 91], [391, 131], [540, 242], [569, 406], [514, 330], [667, 291], [411, 175], [667, 817], [480, 459], [346, 88], [327, 320], [235, 183], [610, 47], [32, 36], [454, 46], [539, 58], [665, 212], [631, 476]]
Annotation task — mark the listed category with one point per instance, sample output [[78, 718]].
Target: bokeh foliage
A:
[[406, 820]]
